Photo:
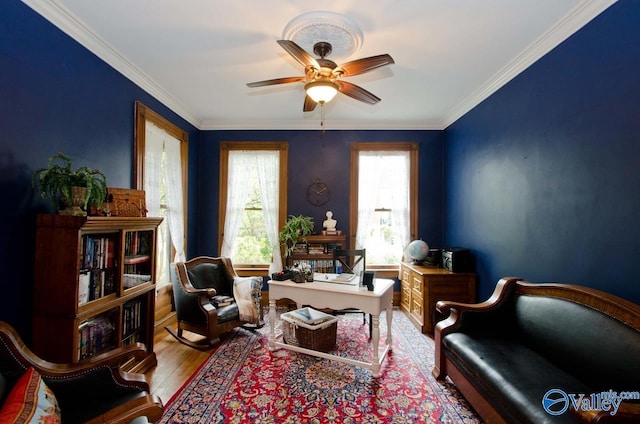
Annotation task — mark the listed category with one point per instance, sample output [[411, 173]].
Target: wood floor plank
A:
[[176, 363]]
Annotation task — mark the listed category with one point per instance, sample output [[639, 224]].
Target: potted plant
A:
[[76, 188], [295, 227]]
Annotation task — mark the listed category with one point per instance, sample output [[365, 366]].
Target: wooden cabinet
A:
[[94, 287], [317, 251], [422, 286]]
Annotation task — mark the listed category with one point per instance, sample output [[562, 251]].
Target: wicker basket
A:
[[126, 202], [320, 337]]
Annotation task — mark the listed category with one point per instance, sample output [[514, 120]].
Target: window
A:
[[161, 170], [252, 202], [383, 208]]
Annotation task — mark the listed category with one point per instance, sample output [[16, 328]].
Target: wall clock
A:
[[318, 193]]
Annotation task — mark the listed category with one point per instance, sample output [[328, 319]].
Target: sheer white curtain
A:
[[369, 180], [163, 165], [174, 195], [400, 213], [268, 175], [153, 149], [238, 178], [267, 164], [383, 182]]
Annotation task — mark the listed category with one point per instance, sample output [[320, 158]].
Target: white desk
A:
[[337, 296]]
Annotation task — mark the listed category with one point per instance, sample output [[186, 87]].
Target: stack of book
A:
[[316, 249], [300, 248], [222, 300]]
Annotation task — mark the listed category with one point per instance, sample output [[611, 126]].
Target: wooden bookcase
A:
[[422, 286], [94, 287], [317, 251]]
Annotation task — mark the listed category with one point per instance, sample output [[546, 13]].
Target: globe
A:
[[417, 250]]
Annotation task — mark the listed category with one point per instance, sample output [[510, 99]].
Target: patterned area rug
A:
[[244, 382]]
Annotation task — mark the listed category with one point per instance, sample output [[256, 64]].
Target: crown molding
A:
[[76, 29], [329, 124], [569, 24], [59, 16]]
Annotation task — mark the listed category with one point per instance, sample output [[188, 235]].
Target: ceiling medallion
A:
[[309, 28]]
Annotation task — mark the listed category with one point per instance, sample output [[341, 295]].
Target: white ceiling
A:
[[196, 56]]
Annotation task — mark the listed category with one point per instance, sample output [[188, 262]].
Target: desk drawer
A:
[[405, 297], [417, 284]]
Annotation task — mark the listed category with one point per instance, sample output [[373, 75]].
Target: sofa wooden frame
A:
[[145, 405], [608, 304]]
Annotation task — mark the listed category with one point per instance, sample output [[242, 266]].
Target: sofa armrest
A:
[[149, 406], [456, 312], [121, 395], [83, 369], [627, 413]]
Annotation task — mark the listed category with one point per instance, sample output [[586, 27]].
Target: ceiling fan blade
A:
[[357, 92], [366, 64], [299, 54], [309, 104], [275, 81]]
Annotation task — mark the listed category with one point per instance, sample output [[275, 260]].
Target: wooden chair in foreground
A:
[[196, 283], [93, 390]]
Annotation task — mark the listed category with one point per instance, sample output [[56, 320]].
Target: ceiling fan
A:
[[323, 77]]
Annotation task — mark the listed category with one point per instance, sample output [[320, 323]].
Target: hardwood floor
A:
[[176, 363]]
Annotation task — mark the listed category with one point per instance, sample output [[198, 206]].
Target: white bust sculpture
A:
[[329, 224]]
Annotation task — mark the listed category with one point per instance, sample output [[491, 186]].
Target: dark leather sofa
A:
[[528, 354]]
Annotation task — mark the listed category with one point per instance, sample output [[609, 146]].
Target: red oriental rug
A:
[[244, 382]]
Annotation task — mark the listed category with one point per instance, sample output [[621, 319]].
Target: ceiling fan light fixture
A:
[[321, 91]]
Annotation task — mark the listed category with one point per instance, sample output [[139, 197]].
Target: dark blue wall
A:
[[542, 178], [55, 96], [312, 155]]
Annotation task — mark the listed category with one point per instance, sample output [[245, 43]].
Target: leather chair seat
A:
[[228, 313]]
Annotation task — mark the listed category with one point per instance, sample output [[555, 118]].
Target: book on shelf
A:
[[316, 265], [97, 282], [132, 280], [131, 245], [84, 281], [316, 249], [98, 252], [110, 255], [132, 317], [300, 248], [332, 246], [136, 259], [94, 336]]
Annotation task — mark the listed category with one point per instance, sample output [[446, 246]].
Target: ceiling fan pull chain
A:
[[322, 118]]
